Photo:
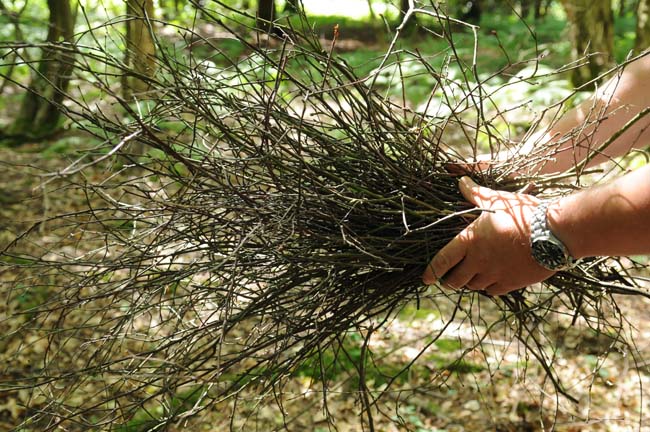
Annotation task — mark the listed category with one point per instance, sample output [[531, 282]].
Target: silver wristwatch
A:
[[547, 249]]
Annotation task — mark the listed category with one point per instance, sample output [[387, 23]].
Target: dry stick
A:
[[330, 172], [389, 51], [73, 169], [335, 38], [363, 385]]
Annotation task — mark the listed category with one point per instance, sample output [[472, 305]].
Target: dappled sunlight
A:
[[238, 242]]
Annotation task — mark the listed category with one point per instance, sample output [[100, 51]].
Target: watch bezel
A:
[[551, 253]]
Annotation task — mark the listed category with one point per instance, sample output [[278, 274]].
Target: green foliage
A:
[[149, 418], [349, 28], [345, 361], [412, 417], [29, 297], [449, 345], [412, 313], [65, 145], [220, 52], [624, 34], [330, 363]]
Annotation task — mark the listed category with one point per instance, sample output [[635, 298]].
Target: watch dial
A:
[[549, 254]]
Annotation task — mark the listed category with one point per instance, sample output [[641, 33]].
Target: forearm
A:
[[608, 220], [579, 133]]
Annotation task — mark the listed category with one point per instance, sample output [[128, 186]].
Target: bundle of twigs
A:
[[282, 201]]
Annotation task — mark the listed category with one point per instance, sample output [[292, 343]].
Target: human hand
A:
[[467, 168], [493, 253], [483, 164]]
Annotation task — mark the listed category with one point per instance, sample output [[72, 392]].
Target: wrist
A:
[[545, 246], [561, 224]]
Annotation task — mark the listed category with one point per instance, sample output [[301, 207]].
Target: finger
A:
[[528, 189], [498, 289], [446, 259], [480, 282], [478, 195], [466, 168], [459, 168], [458, 277]]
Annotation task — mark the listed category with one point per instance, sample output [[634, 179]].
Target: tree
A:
[[40, 113], [403, 9], [642, 40], [623, 7], [265, 14], [592, 35], [525, 7], [140, 48], [14, 19], [541, 7]]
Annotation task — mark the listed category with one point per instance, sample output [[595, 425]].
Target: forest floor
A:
[[496, 389]]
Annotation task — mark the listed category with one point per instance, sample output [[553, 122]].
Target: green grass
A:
[[334, 364], [411, 312]]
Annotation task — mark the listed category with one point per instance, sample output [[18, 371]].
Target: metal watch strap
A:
[[556, 255], [538, 224]]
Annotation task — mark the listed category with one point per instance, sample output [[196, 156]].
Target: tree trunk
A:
[[140, 47], [642, 41], [40, 113], [14, 19], [592, 35], [538, 9], [622, 9], [403, 8], [524, 8], [265, 15]]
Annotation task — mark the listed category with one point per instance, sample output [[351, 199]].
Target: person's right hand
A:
[[493, 253]]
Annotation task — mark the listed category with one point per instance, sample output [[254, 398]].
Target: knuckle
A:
[[440, 262], [449, 284], [455, 281]]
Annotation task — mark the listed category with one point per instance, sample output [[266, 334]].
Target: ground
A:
[[497, 388]]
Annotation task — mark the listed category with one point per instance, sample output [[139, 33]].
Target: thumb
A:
[[478, 195]]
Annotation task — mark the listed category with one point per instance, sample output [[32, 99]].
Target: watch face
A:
[[549, 254]]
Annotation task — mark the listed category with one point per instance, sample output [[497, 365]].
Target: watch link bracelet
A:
[[547, 249]]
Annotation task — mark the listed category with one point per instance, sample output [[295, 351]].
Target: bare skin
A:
[[493, 253], [614, 104]]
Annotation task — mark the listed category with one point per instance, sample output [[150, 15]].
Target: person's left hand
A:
[[493, 253]]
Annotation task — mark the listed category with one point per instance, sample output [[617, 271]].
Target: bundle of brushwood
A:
[[252, 212]]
